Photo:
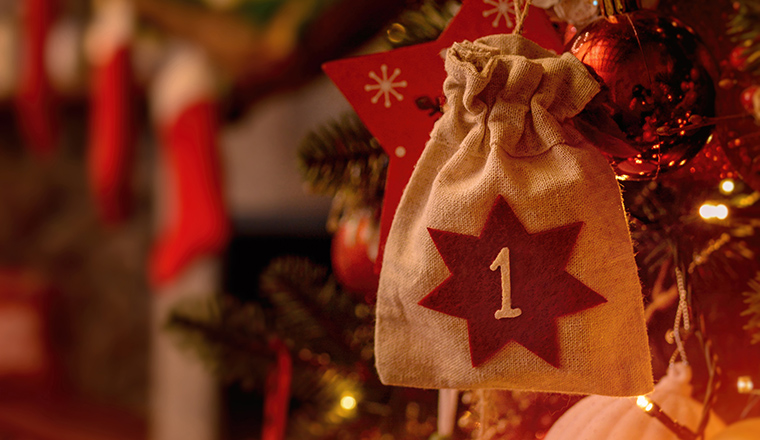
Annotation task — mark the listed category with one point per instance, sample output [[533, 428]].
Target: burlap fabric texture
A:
[[508, 132]]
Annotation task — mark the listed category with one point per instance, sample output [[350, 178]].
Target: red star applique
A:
[[386, 89], [517, 276]]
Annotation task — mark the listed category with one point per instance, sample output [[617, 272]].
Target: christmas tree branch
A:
[[423, 23], [344, 156], [312, 311], [752, 299], [229, 337], [744, 28], [713, 381]]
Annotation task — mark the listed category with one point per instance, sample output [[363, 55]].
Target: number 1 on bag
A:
[[506, 310]]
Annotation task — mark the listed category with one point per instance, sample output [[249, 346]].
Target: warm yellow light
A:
[[348, 402], [721, 211], [744, 385], [644, 403], [727, 186], [707, 211], [710, 211]]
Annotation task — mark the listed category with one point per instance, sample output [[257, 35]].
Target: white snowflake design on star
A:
[[385, 86], [501, 8]]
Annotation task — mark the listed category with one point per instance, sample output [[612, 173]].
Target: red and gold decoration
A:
[[659, 77]]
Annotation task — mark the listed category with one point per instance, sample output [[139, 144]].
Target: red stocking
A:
[[187, 122], [34, 98], [111, 119]]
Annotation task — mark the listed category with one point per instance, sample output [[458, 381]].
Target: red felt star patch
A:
[[510, 285]]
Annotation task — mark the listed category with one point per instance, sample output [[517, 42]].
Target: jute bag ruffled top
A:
[[509, 263]]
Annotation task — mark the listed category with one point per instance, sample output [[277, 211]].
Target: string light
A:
[[709, 211], [644, 403], [745, 385], [348, 402], [653, 410], [727, 186]]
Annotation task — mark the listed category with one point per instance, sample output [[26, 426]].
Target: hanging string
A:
[[520, 16], [682, 316]]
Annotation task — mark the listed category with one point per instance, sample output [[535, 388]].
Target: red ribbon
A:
[[277, 393]]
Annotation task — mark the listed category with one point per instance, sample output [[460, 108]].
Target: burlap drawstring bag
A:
[[509, 263]]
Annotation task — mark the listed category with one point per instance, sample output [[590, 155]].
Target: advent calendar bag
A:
[[509, 263]]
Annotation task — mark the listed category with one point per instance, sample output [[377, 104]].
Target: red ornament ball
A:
[[353, 254], [659, 77], [737, 58], [750, 99]]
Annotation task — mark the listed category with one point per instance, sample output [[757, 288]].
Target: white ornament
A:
[[619, 418]]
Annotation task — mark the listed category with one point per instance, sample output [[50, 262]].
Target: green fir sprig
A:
[[752, 299], [422, 23], [229, 337], [343, 157], [666, 226], [744, 29], [313, 314], [328, 333]]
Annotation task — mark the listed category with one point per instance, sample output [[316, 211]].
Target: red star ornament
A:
[[510, 285], [384, 88]]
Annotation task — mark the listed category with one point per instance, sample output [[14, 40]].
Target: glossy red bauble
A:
[[737, 58], [659, 78], [749, 97], [353, 253]]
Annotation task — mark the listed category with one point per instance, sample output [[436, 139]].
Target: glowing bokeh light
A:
[[644, 403], [727, 186], [348, 402]]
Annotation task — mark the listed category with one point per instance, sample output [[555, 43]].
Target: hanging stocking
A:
[[35, 101], [111, 119], [186, 118]]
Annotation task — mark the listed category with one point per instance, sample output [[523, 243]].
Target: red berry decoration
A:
[[750, 99], [737, 58], [658, 74], [353, 253]]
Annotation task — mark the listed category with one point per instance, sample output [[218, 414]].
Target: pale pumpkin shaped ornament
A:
[[615, 418], [744, 430]]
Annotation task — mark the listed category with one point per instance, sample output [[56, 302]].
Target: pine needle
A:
[[314, 314], [229, 337], [744, 29], [344, 156], [422, 24], [753, 308]]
